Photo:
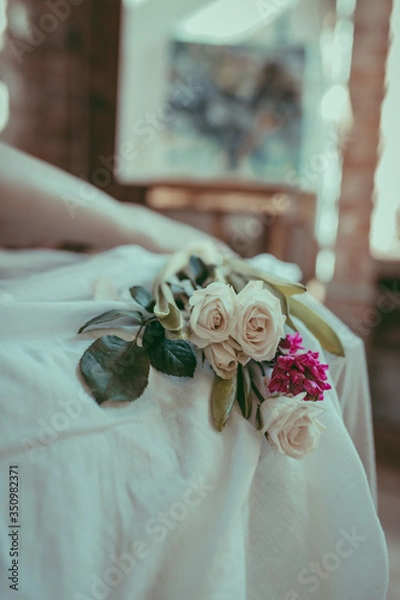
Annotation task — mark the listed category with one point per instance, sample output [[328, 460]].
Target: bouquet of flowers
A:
[[239, 321]]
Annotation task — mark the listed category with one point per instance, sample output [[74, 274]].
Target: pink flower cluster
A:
[[295, 373], [291, 344]]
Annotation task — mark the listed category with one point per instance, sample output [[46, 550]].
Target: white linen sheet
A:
[[146, 501]]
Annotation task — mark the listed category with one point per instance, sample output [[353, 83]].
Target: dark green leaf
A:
[[244, 396], [154, 333], [181, 275], [258, 419], [115, 370], [181, 294], [199, 269], [112, 315], [257, 378], [142, 297], [223, 396], [173, 357], [257, 392]]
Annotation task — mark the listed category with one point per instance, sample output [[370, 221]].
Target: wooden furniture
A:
[[285, 216]]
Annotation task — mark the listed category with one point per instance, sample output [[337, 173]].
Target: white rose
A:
[[212, 315], [222, 358], [259, 321], [291, 425]]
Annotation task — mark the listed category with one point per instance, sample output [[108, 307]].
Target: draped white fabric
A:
[[146, 500]]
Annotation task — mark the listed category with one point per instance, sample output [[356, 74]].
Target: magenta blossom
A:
[[295, 373], [291, 344]]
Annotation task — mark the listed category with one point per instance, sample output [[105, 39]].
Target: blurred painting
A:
[[234, 111]]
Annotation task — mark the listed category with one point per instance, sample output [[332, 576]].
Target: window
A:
[[385, 230]]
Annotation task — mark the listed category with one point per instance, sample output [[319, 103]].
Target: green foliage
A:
[[111, 315], [115, 369]]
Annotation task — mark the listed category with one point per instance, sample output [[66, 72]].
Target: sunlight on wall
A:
[[385, 226], [4, 105], [336, 112], [345, 8], [335, 102], [4, 95], [231, 21]]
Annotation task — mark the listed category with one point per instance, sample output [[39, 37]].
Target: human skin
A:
[[41, 205]]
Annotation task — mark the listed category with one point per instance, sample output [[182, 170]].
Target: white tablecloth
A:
[[147, 501]]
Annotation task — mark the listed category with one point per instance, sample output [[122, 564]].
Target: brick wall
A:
[[105, 25], [63, 90], [352, 292], [60, 62], [45, 65]]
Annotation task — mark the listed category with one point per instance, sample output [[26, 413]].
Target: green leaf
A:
[[154, 333], [281, 297], [199, 269], [256, 371], [115, 369], [173, 320], [290, 323], [257, 392], [173, 357], [112, 315], [284, 300], [165, 308], [223, 396], [181, 275], [142, 297], [316, 324], [258, 419], [244, 396], [287, 288], [181, 334]]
